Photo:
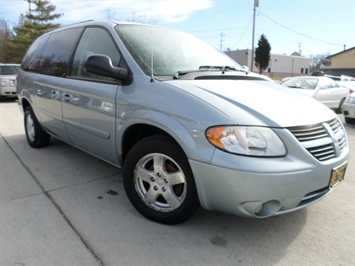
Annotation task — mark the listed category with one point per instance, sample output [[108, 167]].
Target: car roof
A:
[[310, 77], [104, 23]]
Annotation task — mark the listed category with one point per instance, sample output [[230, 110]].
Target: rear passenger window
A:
[[94, 41], [57, 52], [32, 58]]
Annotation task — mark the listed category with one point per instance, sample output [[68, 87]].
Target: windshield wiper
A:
[[223, 69], [178, 74], [294, 87]]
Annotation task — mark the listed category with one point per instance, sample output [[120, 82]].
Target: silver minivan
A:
[[188, 125]]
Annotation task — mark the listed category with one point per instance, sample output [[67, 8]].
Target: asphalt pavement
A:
[[61, 206]]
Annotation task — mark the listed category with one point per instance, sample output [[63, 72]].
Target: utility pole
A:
[[256, 4], [299, 48], [221, 44]]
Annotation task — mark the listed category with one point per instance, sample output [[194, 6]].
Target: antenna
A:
[[151, 56]]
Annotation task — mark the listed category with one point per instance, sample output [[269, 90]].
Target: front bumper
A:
[[349, 110], [262, 187], [259, 195], [8, 92]]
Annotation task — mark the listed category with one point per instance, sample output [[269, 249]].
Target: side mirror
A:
[[102, 65]]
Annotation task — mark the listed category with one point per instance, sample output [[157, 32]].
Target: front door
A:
[[89, 100]]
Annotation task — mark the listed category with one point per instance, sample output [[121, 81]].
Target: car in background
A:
[[349, 109], [8, 73], [345, 81], [323, 89]]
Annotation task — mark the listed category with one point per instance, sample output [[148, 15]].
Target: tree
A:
[[6, 42], [109, 14], [318, 61], [32, 25], [262, 54]]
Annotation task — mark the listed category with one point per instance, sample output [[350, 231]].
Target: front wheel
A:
[[158, 181], [35, 135], [340, 108], [350, 120]]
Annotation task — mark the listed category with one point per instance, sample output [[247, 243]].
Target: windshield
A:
[[301, 83], [171, 51], [9, 70]]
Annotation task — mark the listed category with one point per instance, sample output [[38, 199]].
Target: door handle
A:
[[55, 95], [66, 97]]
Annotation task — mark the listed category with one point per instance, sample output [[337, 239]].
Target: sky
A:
[[312, 27]]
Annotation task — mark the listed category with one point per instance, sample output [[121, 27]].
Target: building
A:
[[342, 63], [280, 66]]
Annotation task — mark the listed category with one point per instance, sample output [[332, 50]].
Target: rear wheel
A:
[[35, 135], [158, 181]]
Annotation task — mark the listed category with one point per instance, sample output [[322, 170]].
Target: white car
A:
[[345, 81], [323, 89], [8, 73], [349, 108]]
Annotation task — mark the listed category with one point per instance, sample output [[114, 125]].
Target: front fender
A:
[[189, 134]]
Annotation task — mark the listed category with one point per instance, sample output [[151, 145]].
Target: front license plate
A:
[[338, 175]]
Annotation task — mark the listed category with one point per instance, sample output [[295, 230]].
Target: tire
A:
[[340, 108], [349, 120], [158, 181], [36, 136]]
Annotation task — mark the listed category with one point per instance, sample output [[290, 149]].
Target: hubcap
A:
[[160, 182], [30, 129]]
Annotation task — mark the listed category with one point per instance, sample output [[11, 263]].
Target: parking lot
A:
[[61, 206]]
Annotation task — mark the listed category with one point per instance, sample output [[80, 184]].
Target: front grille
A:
[[324, 141]]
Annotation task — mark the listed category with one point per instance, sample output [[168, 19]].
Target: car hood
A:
[[8, 76], [252, 102]]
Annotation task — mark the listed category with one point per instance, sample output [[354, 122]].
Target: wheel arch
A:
[[188, 136], [137, 132], [24, 103]]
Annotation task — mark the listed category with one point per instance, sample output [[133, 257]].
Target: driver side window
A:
[[94, 41]]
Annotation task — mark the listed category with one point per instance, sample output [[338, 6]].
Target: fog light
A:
[[268, 209]]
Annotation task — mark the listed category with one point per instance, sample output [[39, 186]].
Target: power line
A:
[[297, 31], [242, 35]]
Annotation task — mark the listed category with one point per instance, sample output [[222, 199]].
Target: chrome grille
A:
[[324, 141]]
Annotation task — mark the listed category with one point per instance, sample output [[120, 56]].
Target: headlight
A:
[[350, 100], [4, 82], [252, 141]]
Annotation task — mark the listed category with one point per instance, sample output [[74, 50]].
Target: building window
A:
[[306, 71], [302, 70]]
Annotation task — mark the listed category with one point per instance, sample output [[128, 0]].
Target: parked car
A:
[[323, 89], [8, 73], [188, 125], [349, 109], [345, 81]]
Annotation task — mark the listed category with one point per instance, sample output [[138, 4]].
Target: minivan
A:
[[189, 126]]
